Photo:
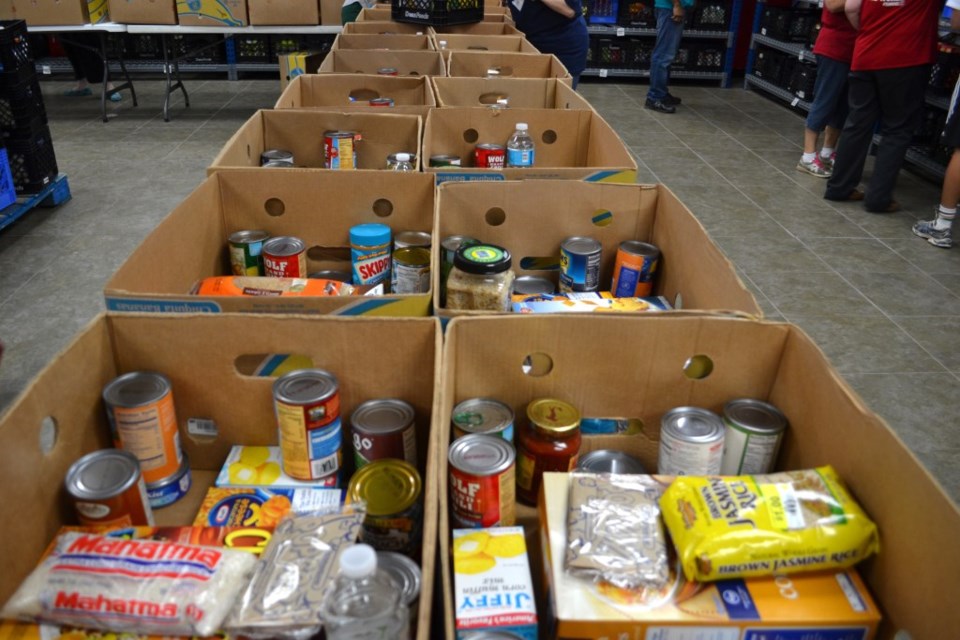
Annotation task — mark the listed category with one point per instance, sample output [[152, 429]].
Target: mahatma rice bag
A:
[[739, 526]]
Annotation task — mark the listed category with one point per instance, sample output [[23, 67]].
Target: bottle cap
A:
[[370, 234], [482, 259], [403, 157], [358, 561], [521, 126]]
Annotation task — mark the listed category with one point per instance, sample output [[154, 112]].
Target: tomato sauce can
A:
[[579, 264], [482, 415], [143, 420], [383, 429], [339, 149], [370, 253], [489, 156], [410, 272], [307, 405], [482, 482], [107, 488], [753, 430], [691, 442], [634, 269], [381, 102], [285, 257], [166, 492], [246, 249], [392, 491]]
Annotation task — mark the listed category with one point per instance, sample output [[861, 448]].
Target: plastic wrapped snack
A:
[[154, 587], [269, 286], [739, 526], [614, 531]]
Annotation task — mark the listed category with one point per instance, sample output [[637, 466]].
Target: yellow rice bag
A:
[[739, 526]]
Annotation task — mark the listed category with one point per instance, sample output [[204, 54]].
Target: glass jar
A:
[[549, 441], [481, 279]]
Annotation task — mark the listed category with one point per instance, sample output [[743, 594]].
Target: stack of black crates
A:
[[791, 25], [23, 118]]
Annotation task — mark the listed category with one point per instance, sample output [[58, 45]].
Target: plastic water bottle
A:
[[520, 152], [443, 44], [364, 603], [404, 163]]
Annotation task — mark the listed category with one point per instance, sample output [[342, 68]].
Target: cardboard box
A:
[[472, 42], [329, 91], [476, 64], [222, 13], [380, 42], [520, 93], [56, 12], [383, 27], [60, 415], [570, 144], [283, 12], [382, 134], [571, 357], [407, 63], [534, 216], [317, 206], [143, 11], [480, 28], [297, 64], [330, 12], [378, 14]]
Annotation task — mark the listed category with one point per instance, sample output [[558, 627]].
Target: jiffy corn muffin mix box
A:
[[492, 583]]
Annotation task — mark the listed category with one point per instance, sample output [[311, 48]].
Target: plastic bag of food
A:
[[150, 587], [614, 532], [269, 286], [739, 526]]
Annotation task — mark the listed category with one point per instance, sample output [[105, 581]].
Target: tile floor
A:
[[883, 305]]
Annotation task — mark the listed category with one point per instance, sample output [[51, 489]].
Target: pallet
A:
[[55, 193]]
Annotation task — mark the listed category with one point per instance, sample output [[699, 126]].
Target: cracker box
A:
[[262, 468], [261, 507]]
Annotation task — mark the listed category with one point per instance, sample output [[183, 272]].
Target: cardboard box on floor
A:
[[143, 11], [385, 27], [56, 12], [532, 218], [298, 63], [60, 416], [521, 93], [480, 28], [329, 91], [330, 12], [382, 134], [318, 207], [471, 42], [477, 64], [570, 144], [381, 42], [407, 63], [223, 13], [573, 358], [283, 12]]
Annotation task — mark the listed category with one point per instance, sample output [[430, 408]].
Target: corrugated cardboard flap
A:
[[520, 93], [390, 42], [334, 90], [407, 63], [516, 65]]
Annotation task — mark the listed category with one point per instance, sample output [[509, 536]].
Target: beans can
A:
[[332, 274], [634, 269], [394, 520], [307, 405], [387, 71], [393, 161], [483, 415], [482, 482], [691, 442], [339, 149], [169, 490], [753, 431], [107, 489], [370, 253], [407, 576], [609, 461], [579, 264], [444, 160], [489, 156], [413, 239], [276, 155], [143, 420], [533, 286], [245, 252], [284, 257], [410, 271], [381, 102], [383, 429]]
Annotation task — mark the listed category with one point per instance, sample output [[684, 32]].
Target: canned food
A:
[[393, 160], [413, 239], [483, 415], [166, 492], [394, 520], [278, 164], [332, 274], [533, 286], [691, 442], [370, 253], [482, 482], [489, 156], [406, 574], [245, 252], [549, 441], [107, 489], [381, 102], [634, 269], [339, 149], [276, 155], [491, 635], [383, 429], [284, 257], [753, 430], [609, 461], [143, 420], [410, 270], [444, 160], [388, 71], [579, 264], [307, 404]]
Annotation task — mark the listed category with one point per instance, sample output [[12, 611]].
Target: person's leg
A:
[[856, 138], [81, 88], [350, 12], [664, 51], [939, 231], [829, 91]]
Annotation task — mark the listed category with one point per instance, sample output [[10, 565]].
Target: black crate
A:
[[789, 25], [33, 162], [945, 69], [21, 104], [199, 49], [284, 45], [638, 51], [712, 16], [930, 129], [437, 13], [707, 57], [773, 66], [802, 80], [637, 14], [602, 11], [683, 59], [252, 48], [814, 32], [14, 45], [142, 46], [592, 53], [611, 53]]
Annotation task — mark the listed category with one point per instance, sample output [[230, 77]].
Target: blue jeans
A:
[[664, 51], [829, 106]]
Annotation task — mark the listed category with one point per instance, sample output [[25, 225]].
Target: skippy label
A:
[[371, 265], [492, 583]]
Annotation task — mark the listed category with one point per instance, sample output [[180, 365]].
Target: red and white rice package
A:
[[149, 587]]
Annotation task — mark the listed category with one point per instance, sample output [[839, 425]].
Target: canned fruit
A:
[[246, 252], [753, 430], [392, 491], [410, 271]]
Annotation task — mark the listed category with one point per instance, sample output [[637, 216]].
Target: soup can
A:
[[406, 575], [143, 420], [246, 248], [307, 405], [381, 102], [166, 492], [107, 488], [413, 239], [482, 482], [579, 264], [444, 160], [609, 461], [753, 430], [691, 442], [339, 149], [410, 272], [383, 429], [489, 156], [370, 253], [284, 257], [276, 155], [391, 490], [634, 269], [483, 415]]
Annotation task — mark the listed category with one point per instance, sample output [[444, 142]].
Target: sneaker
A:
[[672, 100], [814, 167], [828, 162], [660, 105], [115, 97], [926, 229]]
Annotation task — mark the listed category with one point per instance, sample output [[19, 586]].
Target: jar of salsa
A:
[[549, 441]]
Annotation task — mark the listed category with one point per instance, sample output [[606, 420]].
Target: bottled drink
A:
[[404, 163], [363, 603], [443, 44], [520, 152]]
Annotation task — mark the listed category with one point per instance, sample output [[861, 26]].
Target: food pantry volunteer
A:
[[557, 27]]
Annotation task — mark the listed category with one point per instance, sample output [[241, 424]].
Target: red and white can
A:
[[482, 482], [489, 156], [284, 257]]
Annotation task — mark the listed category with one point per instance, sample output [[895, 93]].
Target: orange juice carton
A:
[[493, 589], [223, 507], [261, 468]]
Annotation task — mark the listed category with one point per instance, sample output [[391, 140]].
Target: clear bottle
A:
[[404, 163], [363, 603], [520, 151], [443, 44]]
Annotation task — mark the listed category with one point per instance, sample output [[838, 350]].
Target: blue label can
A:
[[579, 264]]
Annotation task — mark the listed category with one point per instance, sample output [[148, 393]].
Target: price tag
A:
[[795, 102], [800, 55], [621, 32], [46, 70], [603, 73]]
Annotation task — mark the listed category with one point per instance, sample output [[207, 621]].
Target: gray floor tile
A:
[[812, 293], [859, 254], [816, 222], [779, 252], [937, 335], [906, 294]]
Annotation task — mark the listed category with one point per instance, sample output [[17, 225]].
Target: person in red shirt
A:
[[895, 46]]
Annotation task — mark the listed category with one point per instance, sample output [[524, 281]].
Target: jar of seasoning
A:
[[549, 441], [481, 279]]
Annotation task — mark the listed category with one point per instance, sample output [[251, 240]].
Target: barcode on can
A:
[[325, 466], [202, 427]]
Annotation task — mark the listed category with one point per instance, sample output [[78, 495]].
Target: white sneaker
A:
[[814, 167]]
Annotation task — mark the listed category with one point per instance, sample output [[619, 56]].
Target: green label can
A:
[[246, 258], [411, 270]]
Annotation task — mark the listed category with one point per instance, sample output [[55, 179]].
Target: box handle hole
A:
[[382, 208], [49, 434], [495, 217], [363, 95], [265, 365], [549, 136], [493, 97], [698, 367], [470, 136], [274, 207], [537, 365]]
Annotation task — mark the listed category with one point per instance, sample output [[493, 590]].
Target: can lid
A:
[[755, 416], [692, 424], [412, 256], [404, 572], [413, 239], [482, 259], [369, 234], [382, 416], [481, 455], [609, 461], [580, 244], [482, 415], [553, 416], [102, 474], [636, 247], [304, 386], [283, 246], [136, 389], [277, 154], [533, 285], [248, 235], [452, 243], [388, 486]]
